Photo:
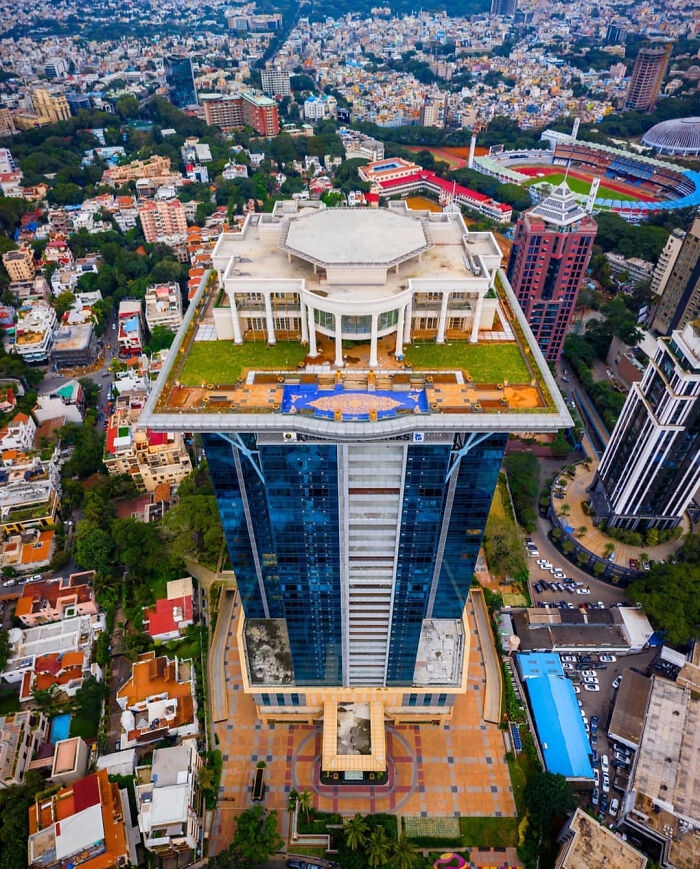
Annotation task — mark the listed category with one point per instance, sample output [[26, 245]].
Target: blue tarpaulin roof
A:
[[563, 739]]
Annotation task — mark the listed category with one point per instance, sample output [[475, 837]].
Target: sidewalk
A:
[[570, 511]]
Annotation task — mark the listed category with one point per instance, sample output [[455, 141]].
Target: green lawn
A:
[[489, 832], [583, 187], [485, 363], [519, 769], [82, 727], [221, 362]]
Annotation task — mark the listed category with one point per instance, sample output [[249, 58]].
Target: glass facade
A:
[[281, 506], [180, 81]]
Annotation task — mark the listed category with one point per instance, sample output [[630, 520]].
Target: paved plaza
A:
[[456, 770]]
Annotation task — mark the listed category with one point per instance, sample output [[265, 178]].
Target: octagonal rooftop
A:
[[362, 239]]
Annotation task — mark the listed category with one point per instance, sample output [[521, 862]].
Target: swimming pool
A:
[[60, 727]]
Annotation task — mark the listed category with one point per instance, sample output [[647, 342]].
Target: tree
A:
[[356, 830], [378, 847], [15, 802], [254, 841], [670, 595], [305, 801], [548, 796], [94, 549], [4, 648], [404, 854], [161, 339]]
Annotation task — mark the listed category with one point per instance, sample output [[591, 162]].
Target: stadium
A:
[[632, 185]]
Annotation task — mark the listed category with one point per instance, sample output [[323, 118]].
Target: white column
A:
[[442, 322], [312, 332], [399, 332], [373, 361], [269, 320], [304, 320], [339, 340], [235, 321], [408, 321], [477, 319]]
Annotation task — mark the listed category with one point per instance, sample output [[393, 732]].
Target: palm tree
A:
[[565, 509], [356, 832], [378, 847], [581, 530], [403, 853], [305, 801]]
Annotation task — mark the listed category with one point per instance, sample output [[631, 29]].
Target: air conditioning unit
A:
[[289, 436]]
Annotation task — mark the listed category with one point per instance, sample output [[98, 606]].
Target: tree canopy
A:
[[256, 839], [670, 594]]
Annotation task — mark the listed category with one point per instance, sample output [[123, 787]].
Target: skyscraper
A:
[[551, 251], [506, 8], [680, 301], [180, 81], [353, 486], [648, 74], [650, 469]]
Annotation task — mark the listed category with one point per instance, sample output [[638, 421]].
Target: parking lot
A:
[[596, 708]]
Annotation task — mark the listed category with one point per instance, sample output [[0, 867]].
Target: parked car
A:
[[584, 659], [543, 563], [591, 673], [614, 806], [533, 553], [633, 563], [583, 591], [604, 762], [590, 680], [595, 799], [617, 681], [609, 659], [595, 687], [567, 666], [622, 758], [569, 658], [606, 783]]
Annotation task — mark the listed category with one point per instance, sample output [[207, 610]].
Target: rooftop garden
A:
[[223, 362], [485, 363]]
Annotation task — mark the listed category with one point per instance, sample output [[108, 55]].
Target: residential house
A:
[[169, 618], [44, 602], [21, 733]]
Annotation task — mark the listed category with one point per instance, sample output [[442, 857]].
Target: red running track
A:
[[605, 183]]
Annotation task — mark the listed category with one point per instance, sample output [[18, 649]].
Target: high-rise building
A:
[[20, 264], [229, 111], [666, 262], [680, 301], [50, 107], [433, 112], [275, 82], [506, 8], [650, 469], [354, 487], [648, 74], [180, 81], [551, 250], [163, 221]]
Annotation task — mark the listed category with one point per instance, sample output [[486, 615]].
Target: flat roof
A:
[[594, 846], [560, 731], [630, 708], [346, 236], [668, 760]]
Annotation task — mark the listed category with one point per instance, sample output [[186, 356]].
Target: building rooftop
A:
[[630, 708], [357, 257], [594, 846]]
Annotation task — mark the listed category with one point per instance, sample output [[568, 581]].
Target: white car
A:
[[596, 776], [591, 673], [608, 659], [617, 682], [543, 563], [614, 806], [583, 591], [590, 680], [606, 783], [533, 553], [567, 666], [559, 574], [604, 763], [595, 687], [577, 690], [571, 659]]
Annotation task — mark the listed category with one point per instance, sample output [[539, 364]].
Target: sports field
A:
[[580, 183]]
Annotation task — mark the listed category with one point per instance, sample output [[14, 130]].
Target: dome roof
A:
[[680, 136]]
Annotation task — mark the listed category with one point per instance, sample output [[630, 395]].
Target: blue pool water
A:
[[60, 727]]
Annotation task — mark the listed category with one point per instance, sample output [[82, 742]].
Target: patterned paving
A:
[[457, 770]]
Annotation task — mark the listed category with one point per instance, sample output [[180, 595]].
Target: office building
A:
[[433, 111], [50, 107], [506, 8], [680, 301], [180, 81], [551, 250], [647, 76], [650, 469], [275, 82], [353, 479]]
